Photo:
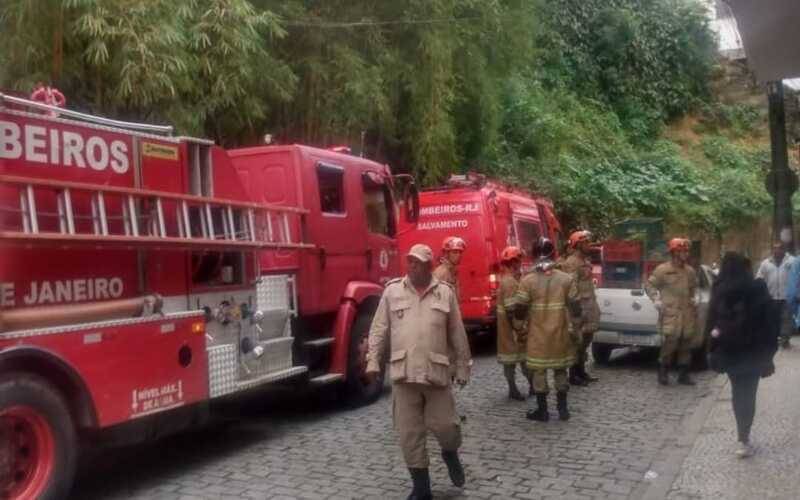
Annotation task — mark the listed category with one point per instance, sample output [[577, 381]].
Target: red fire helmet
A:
[[678, 245], [578, 236], [454, 243], [510, 253]]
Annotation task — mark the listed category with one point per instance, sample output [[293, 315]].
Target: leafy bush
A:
[[650, 60], [739, 120]]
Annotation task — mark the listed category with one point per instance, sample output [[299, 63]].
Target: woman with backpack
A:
[[743, 328]]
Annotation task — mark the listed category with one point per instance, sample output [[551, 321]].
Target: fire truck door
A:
[[338, 232], [381, 221]]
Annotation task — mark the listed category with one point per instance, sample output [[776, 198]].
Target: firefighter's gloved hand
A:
[[461, 382], [371, 377], [575, 308], [520, 312]]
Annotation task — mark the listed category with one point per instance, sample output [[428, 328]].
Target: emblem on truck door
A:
[[383, 259]]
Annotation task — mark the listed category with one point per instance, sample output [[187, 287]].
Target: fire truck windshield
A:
[[528, 232]]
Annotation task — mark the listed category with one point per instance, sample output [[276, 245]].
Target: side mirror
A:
[[410, 197], [411, 202]]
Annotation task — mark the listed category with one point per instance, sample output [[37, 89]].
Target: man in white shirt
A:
[[775, 270]]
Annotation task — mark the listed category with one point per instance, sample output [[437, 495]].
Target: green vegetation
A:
[[739, 120], [569, 97]]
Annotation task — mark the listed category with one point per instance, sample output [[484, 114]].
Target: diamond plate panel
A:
[[272, 293], [222, 370]]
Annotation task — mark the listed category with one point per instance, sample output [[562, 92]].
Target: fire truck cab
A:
[[352, 218], [144, 275], [489, 216]]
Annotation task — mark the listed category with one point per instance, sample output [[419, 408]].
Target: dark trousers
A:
[[785, 321], [743, 389]]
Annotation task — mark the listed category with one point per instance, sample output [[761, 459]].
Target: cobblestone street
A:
[[313, 451]]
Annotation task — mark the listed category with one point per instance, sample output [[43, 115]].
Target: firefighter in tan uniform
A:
[[547, 298], [419, 317], [453, 248], [578, 265], [511, 332], [672, 287]]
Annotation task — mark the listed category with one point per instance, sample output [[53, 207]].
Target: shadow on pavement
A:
[[627, 357]]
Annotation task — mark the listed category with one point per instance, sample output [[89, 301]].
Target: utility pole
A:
[[781, 181]]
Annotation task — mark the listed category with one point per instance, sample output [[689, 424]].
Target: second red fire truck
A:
[[143, 276], [489, 216]]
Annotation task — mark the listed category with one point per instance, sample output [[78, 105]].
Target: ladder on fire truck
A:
[[71, 212]]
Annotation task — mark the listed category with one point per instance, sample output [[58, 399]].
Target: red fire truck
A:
[[143, 276], [489, 216]]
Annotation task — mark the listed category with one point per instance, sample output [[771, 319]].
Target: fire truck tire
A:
[[44, 450], [601, 353], [357, 391]]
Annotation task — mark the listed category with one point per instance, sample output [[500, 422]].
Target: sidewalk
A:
[[711, 470]]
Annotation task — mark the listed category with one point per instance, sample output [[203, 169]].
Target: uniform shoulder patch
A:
[[563, 274], [508, 279], [393, 281], [447, 283]]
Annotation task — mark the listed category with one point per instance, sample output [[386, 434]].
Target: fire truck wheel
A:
[[38, 445], [358, 390], [601, 353]]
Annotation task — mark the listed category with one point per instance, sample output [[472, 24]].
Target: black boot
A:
[[575, 378], [663, 374], [540, 413], [422, 485], [513, 392], [454, 467], [683, 375], [561, 402]]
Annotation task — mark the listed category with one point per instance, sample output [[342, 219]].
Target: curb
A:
[[675, 449]]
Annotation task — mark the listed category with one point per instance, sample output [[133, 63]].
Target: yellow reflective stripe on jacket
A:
[[544, 363], [511, 358], [548, 307], [520, 297]]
